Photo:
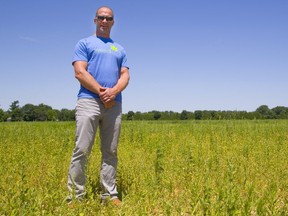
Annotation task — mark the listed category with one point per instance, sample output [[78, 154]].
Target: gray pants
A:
[[91, 113]]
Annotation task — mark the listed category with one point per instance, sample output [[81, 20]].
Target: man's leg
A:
[[109, 135], [87, 113]]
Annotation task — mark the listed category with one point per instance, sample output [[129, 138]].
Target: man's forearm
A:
[[122, 82], [87, 81]]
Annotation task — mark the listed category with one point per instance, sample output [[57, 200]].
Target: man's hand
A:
[[109, 105], [107, 97]]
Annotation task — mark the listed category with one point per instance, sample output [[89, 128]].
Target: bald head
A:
[[105, 9]]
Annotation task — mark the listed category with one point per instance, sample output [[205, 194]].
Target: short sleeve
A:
[[80, 52], [124, 60]]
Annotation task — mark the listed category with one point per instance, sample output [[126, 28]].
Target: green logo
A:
[[114, 48]]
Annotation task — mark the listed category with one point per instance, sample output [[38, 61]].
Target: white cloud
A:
[[29, 39]]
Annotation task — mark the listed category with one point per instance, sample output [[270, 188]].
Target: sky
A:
[[183, 55]]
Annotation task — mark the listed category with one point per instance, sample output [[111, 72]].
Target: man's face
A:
[[104, 20]]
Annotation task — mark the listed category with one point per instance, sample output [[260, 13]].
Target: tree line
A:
[[30, 112], [42, 112]]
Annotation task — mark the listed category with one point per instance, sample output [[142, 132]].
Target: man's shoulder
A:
[[86, 39], [89, 41], [117, 44]]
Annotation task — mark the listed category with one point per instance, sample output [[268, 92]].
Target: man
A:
[[101, 67]]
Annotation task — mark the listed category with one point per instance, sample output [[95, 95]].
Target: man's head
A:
[[104, 21]]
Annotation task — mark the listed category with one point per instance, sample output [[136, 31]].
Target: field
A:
[[165, 168]]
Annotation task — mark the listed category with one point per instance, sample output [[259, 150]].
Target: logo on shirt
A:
[[114, 48]]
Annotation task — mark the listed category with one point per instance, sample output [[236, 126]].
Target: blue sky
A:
[[183, 55]]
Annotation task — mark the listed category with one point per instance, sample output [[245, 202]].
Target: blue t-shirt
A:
[[105, 59]]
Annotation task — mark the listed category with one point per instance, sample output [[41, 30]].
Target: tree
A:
[[29, 113], [137, 116], [66, 115], [51, 115], [170, 115], [198, 115], [215, 115], [265, 112], [14, 105], [280, 112], [130, 115], [156, 115], [2, 115], [15, 111], [41, 112], [184, 115]]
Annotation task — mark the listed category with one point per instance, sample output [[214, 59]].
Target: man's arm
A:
[[109, 94], [85, 78]]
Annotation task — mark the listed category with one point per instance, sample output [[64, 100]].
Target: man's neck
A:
[[103, 35]]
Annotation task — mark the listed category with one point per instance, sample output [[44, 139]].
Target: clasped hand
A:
[[107, 97]]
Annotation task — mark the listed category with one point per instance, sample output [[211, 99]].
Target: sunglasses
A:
[[101, 18]]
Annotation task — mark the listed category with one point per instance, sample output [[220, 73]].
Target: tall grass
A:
[[165, 168]]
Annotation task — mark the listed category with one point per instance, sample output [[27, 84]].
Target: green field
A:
[[165, 168]]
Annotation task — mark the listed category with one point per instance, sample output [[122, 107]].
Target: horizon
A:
[[154, 110]]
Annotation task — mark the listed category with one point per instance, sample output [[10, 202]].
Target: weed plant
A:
[[165, 168]]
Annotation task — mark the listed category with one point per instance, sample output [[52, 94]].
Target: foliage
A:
[[66, 115], [184, 115], [2, 115], [15, 111], [130, 115], [263, 112], [29, 113], [156, 115], [165, 168], [280, 112], [42, 112]]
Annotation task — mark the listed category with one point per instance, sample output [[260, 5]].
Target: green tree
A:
[[184, 115], [170, 115], [130, 115], [41, 112], [198, 115], [51, 115], [137, 116], [29, 113], [15, 111], [156, 115], [2, 115], [265, 112], [66, 115], [14, 105], [280, 112]]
